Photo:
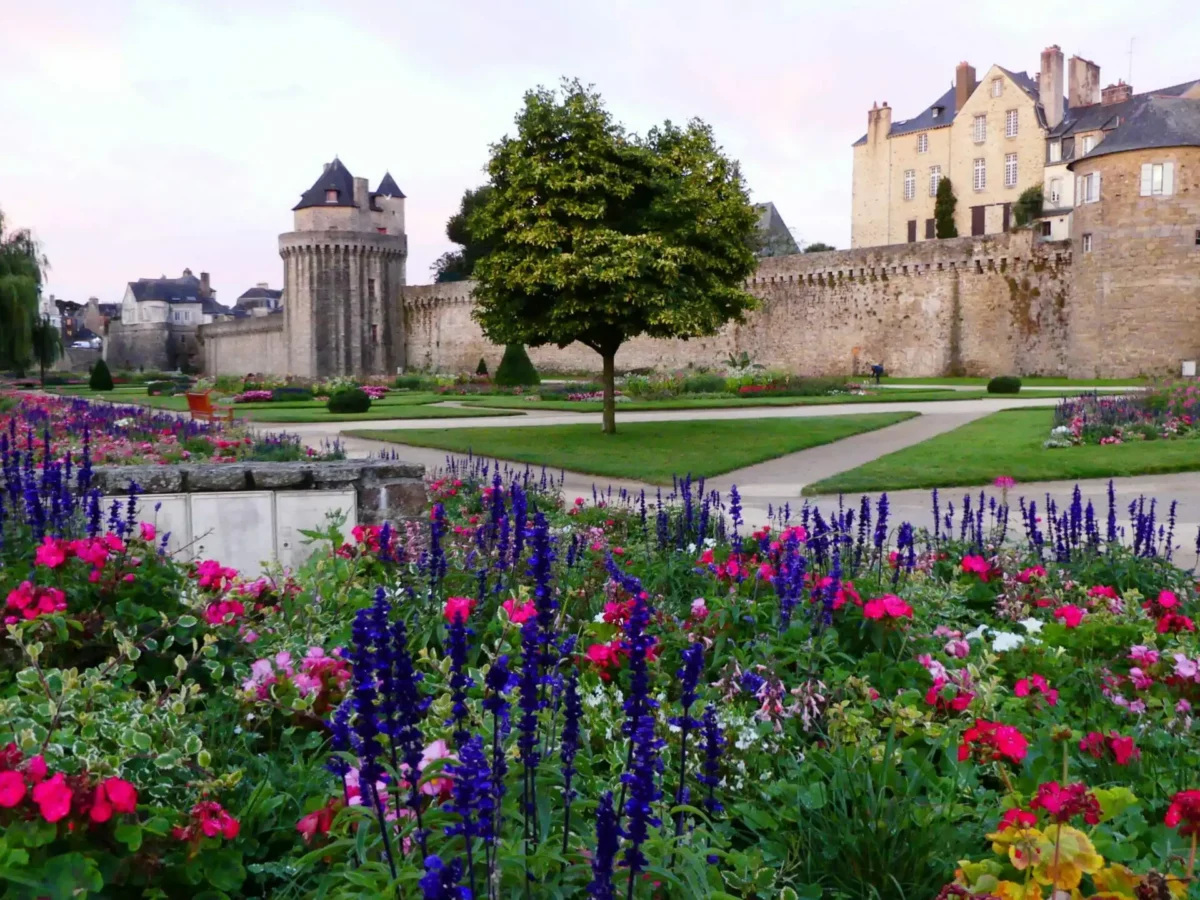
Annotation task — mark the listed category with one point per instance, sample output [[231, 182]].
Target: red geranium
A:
[[53, 797], [993, 741], [977, 565], [318, 822], [1063, 803], [518, 614], [1185, 808], [458, 609], [888, 606], [208, 819], [113, 795], [1026, 686], [1069, 615]]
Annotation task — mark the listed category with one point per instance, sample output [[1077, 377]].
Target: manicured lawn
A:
[[1008, 443], [646, 451], [583, 406], [1030, 380]]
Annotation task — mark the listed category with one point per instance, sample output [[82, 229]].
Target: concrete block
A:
[[297, 511], [236, 529]]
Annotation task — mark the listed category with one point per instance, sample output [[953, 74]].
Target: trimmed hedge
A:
[[351, 401], [516, 369], [1004, 384], [290, 393], [101, 378]]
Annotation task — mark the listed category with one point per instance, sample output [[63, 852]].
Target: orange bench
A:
[[202, 409]]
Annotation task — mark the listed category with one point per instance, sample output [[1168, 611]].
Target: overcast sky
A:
[[139, 138]]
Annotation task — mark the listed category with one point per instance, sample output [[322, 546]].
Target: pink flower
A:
[[1104, 591], [148, 532], [1143, 655], [699, 609], [958, 648], [890, 606], [12, 789], [51, 554], [1031, 573], [1183, 707], [1070, 616], [1167, 599], [458, 609], [1184, 667], [1004, 482], [53, 797], [35, 769], [977, 565], [518, 615], [1140, 679], [438, 784]]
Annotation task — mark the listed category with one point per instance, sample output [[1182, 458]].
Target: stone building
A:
[[343, 270], [158, 323]]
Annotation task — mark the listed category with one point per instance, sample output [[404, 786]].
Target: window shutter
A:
[[1147, 176], [1079, 198], [1168, 178], [1097, 197]]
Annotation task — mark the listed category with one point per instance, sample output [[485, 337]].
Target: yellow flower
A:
[[1011, 890], [1022, 845], [1115, 881], [1066, 855]]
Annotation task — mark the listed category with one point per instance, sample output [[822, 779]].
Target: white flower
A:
[[710, 543], [977, 633], [691, 548], [1033, 626], [1006, 640], [599, 617]]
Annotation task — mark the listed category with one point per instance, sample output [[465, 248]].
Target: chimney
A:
[[261, 284], [1116, 93], [1083, 78], [362, 194], [964, 84], [1050, 85], [205, 290], [325, 168]]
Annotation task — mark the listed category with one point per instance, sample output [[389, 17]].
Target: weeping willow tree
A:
[[21, 268]]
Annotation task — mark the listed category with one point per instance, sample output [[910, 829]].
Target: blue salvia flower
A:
[[541, 561], [1111, 533], [711, 773], [436, 556], [573, 713], [472, 800], [520, 512], [385, 543], [751, 682], [460, 681], [608, 836], [498, 681], [881, 523], [689, 676], [735, 509], [440, 881], [340, 740], [530, 703], [411, 707], [380, 614], [644, 761]]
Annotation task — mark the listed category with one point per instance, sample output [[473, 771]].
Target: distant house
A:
[[259, 300], [775, 238], [186, 300]]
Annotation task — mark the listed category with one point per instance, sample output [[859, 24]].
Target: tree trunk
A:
[[610, 393]]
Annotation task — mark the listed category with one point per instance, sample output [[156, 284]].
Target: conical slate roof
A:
[[388, 187], [336, 177]]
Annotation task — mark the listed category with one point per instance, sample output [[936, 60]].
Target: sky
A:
[[140, 138]]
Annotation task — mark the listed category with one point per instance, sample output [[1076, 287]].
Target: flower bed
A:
[[1166, 411], [130, 435], [621, 697]]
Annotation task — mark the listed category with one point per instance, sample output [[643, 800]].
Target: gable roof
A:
[[925, 120], [1098, 117], [335, 177], [185, 289], [260, 293], [776, 237], [211, 307], [388, 187], [1155, 122]]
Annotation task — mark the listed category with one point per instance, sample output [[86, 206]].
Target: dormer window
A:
[[937, 111], [331, 195]]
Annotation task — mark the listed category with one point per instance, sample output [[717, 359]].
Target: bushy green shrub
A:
[[1004, 384], [101, 378], [160, 388], [560, 390], [55, 378], [481, 369], [704, 384], [286, 394], [516, 368], [407, 382], [354, 400]]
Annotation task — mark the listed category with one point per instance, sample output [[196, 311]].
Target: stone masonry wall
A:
[[243, 346], [970, 305], [153, 346]]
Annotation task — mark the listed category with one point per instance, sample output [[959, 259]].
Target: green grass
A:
[[1008, 443], [397, 411], [1026, 380], [646, 451], [585, 406]]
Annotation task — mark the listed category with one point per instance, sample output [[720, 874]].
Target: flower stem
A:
[[1192, 857]]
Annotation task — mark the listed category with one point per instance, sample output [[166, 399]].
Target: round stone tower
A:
[[1135, 238], [343, 270]]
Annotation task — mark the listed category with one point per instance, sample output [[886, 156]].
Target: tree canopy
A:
[[600, 235], [1028, 206], [21, 268], [458, 265], [818, 247]]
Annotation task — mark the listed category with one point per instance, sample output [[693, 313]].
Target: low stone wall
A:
[[244, 346], [385, 490]]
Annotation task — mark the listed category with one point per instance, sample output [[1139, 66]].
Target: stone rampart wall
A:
[[243, 346], [152, 345]]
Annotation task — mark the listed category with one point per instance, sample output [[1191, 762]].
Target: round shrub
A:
[[354, 400], [160, 388], [1004, 384], [516, 369], [283, 394], [704, 384], [101, 378]]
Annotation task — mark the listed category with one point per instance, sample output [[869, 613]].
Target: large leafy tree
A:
[[601, 235], [458, 265], [21, 268]]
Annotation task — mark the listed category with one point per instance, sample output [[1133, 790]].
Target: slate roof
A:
[[1097, 116], [259, 293], [211, 307], [185, 289], [112, 310], [335, 177], [1167, 121], [925, 120], [388, 187], [777, 238]]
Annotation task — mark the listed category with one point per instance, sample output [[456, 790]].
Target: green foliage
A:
[[943, 210], [352, 400], [1028, 206], [481, 369], [408, 382], [516, 369], [22, 268], [290, 394], [100, 378], [704, 384], [818, 247], [458, 265], [1004, 384], [47, 344], [601, 235]]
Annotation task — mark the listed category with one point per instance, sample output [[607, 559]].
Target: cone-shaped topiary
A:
[[516, 369], [481, 369], [101, 378]]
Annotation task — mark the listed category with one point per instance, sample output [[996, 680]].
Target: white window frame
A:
[[1158, 179], [1087, 144], [997, 87], [1055, 151], [1087, 188], [1056, 185], [979, 174], [923, 142], [935, 178], [980, 129], [1087, 243], [1010, 123], [910, 184], [1010, 170]]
